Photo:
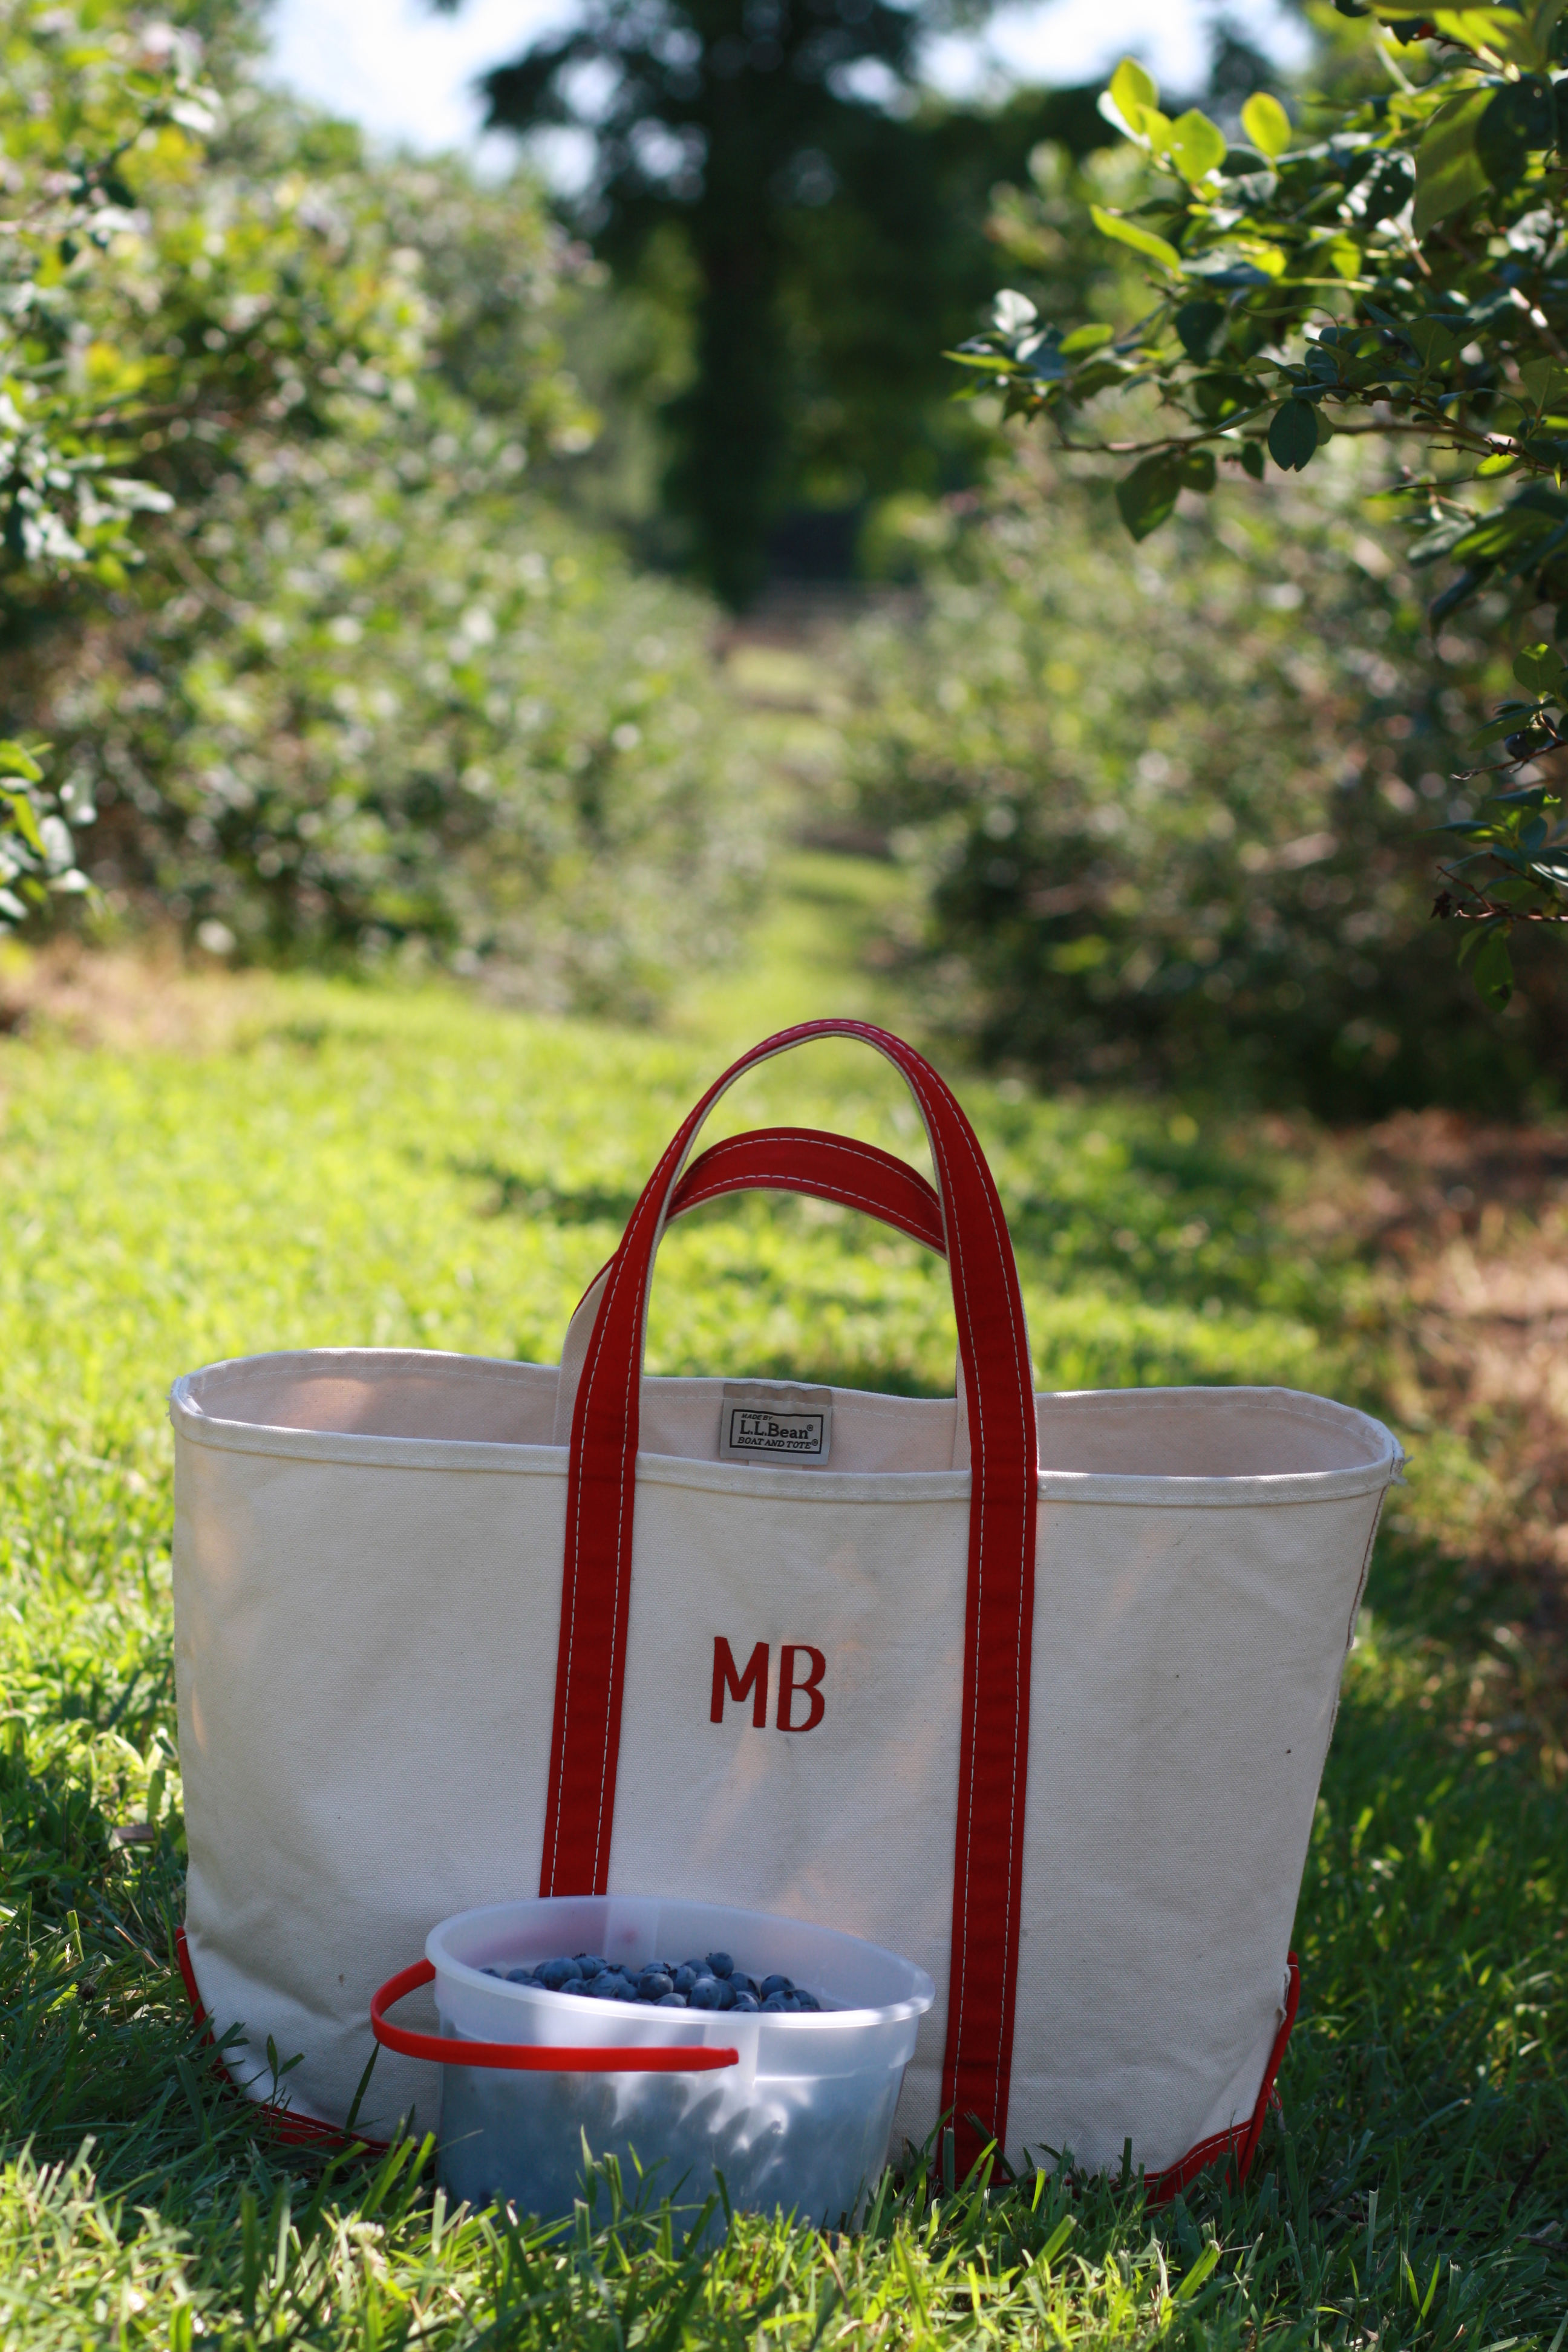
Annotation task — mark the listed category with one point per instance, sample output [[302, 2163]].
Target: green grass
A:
[[406, 1167]]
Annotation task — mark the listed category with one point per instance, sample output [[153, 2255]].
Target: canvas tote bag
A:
[[1035, 1690]]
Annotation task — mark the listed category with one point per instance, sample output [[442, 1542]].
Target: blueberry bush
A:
[[331, 676], [1161, 804], [1389, 266]]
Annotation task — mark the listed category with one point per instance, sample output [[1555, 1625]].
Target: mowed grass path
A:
[[322, 1164]]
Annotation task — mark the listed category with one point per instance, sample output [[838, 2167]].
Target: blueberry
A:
[[624, 1991], [721, 1964], [727, 1994], [743, 1983], [671, 2000], [775, 2005], [591, 1964], [653, 1984], [513, 1976], [686, 1976], [708, 1992], [770, 1985], [745, 2004], [554, 1974], [808, 2000]]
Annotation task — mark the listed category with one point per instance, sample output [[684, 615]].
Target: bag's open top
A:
[[309, 1402]]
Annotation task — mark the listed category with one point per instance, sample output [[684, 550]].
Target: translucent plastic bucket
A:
[[793, 2111]]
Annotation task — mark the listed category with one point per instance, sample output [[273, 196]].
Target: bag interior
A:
[[1142, 1432]]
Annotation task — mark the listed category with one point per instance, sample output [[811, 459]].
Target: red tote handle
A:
[[827, 1167], [532, 2057], [772, 1160], [999, 1611]]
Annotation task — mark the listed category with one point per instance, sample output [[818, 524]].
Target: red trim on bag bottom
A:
[[1159, 2187], [298, 2131]]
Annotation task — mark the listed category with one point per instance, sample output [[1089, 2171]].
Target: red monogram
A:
[[754, 1679], [729, 1682]]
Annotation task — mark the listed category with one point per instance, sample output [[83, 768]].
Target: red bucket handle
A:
[[532, 2057]]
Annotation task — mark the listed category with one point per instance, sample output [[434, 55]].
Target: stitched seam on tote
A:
[[980, 1547], [633, 1371], [899, 1170], [961, 1284], [1025, 1407], [886, 1213], [589, 1372], [978, 1504], [809, 1140], [571, 1642]]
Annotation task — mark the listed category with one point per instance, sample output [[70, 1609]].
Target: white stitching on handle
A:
[[1027, 1407]]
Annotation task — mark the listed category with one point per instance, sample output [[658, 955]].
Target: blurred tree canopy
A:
[[274, 581], [1400, 273], [832, 218]]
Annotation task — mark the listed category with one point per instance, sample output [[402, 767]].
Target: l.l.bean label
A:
[[765, 1420]]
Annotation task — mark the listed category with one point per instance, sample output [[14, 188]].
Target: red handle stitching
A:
[[531, 2057]]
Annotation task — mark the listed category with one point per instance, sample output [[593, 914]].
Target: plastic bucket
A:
[[793, 2111]]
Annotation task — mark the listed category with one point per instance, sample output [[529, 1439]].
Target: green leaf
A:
[[1220, 397], [24, 818], [1448, 172], [1197, 146], [1132, 90], [15, 761], [1434, 341], [1546, 382], [1507, 34], [1142, 240], [1056, 2239], [1198, 325], [1293, 436], [1085, 339], [1148, 495], [1198, 2274], [1265, 123], [1539, 668], [1252, 459], [1491, 966], [1012, 312], [1519, 120]]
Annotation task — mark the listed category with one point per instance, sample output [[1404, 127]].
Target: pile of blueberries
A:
[[712, 1983]]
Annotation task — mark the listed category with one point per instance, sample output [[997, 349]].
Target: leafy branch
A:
[[1401, 275], [37, 854]]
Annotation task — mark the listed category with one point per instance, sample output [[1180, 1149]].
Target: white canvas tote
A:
[[1034, 1690]]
